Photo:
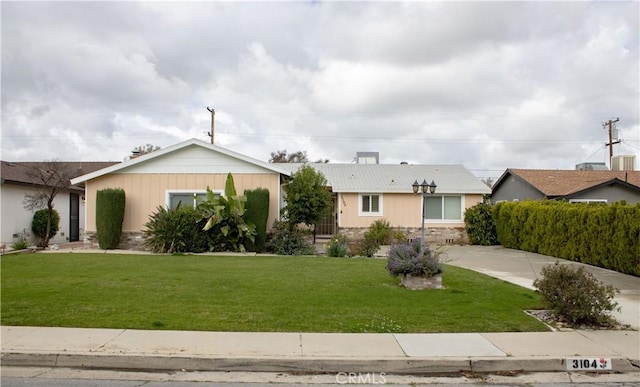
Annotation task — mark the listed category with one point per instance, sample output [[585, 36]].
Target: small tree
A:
[[45, 224], [110, 205], [51, 177], [143, 150], [307, 198], [281, 156]]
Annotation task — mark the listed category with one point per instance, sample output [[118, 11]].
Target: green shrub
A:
[[398, 236], [338, 246], [366, 247], [39, 225], [20, 244], [257, 212], [480, 226], [287, 240], [412, 258], [576, 295], [110, 204], [176, 230], [380, 231]]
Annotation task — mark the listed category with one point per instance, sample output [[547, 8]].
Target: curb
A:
[[415, 366]]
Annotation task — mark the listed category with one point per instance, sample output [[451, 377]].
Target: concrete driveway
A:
[[522, 268]]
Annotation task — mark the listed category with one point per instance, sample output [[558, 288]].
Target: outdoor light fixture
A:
[[424, 189]]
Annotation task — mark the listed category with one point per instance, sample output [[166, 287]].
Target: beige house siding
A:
[[146, 191], [399, 209], [402, 210]]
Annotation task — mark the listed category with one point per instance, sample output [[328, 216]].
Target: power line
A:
[[321, 137]]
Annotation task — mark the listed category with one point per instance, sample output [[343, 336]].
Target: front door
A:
[[74, 217]]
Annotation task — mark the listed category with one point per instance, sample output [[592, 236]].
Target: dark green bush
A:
[[110, 204], [257, 212], [576, 295], [338, 246], [287, 240], [39, 225], [176, 230], [597, 234], [480, 226]]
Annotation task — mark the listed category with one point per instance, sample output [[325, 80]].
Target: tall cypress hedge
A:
[[257, 212], [596, 234], [109, 216]]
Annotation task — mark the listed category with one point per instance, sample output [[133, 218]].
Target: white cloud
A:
[[487, 84]]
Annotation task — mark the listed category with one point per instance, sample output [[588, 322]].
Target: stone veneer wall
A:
[[436, 235], [129, 240]]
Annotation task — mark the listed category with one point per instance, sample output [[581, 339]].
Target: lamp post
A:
[[424, 189]]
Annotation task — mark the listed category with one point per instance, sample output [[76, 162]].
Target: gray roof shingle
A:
[[396, 178]]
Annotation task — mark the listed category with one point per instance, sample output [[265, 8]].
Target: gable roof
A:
[[396, 178], [19, 172], [170, 149], [554, 183]]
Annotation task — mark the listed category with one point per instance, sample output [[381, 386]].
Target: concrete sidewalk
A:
[[315, 352]]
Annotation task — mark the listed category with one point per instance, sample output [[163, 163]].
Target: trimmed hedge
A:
[[109, 216], [596, 234], [257, 212]]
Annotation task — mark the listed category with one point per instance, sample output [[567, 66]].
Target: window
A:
[[370, 205], [443, 208], [588, 201], [186, 198]]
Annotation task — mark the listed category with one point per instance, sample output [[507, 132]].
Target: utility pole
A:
[[213, 116], [610, 125]]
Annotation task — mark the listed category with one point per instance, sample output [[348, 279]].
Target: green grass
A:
[[272, 294]]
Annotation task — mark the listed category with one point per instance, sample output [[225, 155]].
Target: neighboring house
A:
[[571, 185], [16, 181], [364, 193], [179, 173]]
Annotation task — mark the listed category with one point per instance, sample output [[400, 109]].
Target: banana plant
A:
[[225, 219]]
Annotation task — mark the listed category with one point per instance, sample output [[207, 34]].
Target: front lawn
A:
[[271, 294]]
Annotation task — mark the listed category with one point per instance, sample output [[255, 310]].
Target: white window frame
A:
[[588, 201], [370, 213], [441, 219], [170, 192]]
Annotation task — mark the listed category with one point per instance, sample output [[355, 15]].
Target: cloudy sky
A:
[[490, 85]]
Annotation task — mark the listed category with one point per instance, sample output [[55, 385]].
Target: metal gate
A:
[[328, 225]]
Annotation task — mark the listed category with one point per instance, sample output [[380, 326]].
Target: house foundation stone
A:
[[433, 235]]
